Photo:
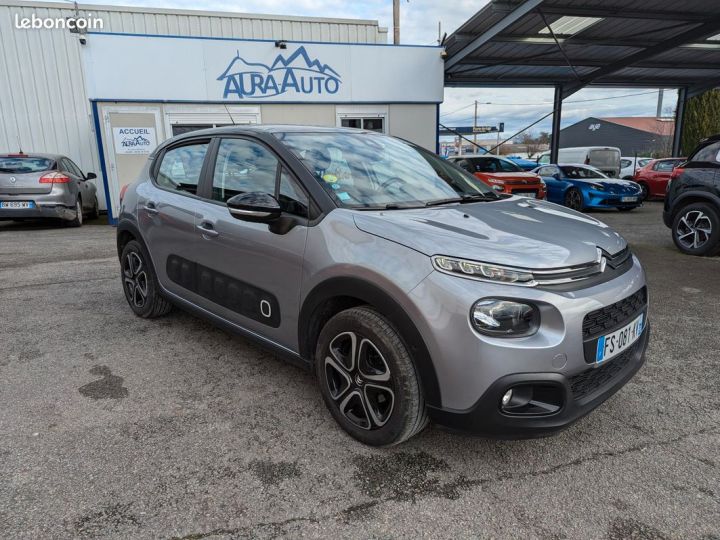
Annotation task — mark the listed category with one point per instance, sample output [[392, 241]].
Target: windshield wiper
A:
[[438, 202], [463, 199]]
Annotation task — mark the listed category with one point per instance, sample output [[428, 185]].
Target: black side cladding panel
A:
[[226, 291]]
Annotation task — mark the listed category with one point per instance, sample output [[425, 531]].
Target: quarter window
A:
[[243, 166], [181, 166], [291, 197]]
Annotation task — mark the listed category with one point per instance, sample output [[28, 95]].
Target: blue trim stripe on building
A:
[[101, 154], [173, 36]]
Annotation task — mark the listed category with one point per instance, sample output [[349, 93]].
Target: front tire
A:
[[367, 378], [574, 199], [140, 284], [645, 191], [696, 229]]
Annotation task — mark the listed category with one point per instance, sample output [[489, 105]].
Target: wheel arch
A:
[[692, 197], [337, 294], [127, 231]]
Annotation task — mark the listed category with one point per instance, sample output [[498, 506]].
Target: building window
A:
[[370, 124]]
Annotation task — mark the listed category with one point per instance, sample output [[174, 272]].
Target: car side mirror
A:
[[256, 206], [90, 176], [556, 176]]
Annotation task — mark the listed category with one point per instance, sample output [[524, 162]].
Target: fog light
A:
[[507, 397]]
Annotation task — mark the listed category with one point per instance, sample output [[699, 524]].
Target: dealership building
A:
[[108, 95]]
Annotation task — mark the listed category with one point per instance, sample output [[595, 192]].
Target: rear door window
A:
[[710, 153], [181, 166], [664, 166], [22, 165]]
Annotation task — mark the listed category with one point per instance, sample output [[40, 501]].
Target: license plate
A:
[[613, 344], [629, 199], [530, 195], [17, 204]]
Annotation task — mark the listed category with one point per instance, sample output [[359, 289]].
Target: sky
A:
[[516, 107]]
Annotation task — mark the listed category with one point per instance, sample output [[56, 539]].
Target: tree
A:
[[532, 142], [702, 119]]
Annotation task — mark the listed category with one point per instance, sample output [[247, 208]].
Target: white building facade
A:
[[106, 97]]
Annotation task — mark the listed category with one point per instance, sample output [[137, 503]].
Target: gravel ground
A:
[[113, 426]]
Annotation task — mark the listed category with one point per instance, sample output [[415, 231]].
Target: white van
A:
[[605, 158]]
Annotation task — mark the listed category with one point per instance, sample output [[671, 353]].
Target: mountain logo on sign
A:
[[136, 141], [297, 73]]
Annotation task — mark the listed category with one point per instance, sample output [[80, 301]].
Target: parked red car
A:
[[502, 175], [653, 177]]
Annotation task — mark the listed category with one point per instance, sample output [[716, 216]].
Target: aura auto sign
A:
[[297, 74], [164, 68]]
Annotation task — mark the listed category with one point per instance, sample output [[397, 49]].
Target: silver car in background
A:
[[413, 291], [38, 186]]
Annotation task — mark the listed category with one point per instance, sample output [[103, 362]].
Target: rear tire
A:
[[95, 212], [574, 199], [367, 378], [140, 284], [696, 229], [78, 221]]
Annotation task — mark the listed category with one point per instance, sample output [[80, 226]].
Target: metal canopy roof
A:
[[575, 43]]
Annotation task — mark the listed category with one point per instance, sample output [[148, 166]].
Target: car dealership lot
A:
[[123, 427]]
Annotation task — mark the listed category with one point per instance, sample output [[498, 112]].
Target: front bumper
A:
[[603, 199], [581, 394]]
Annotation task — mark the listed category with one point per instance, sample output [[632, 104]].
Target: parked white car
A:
[[628, 166]]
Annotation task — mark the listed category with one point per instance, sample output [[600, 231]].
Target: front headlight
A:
[[598, 187], [480, 270], [504, 318]]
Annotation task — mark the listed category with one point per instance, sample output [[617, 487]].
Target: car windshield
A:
[[367, 170], [581, 173], [20, 165]]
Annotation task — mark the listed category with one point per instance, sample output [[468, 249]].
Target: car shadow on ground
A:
[[46, 224]]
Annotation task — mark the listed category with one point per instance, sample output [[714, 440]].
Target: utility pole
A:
[[658, 113], [475, 148], [396, 22]]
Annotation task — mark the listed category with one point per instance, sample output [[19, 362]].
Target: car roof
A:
[[54, 157]]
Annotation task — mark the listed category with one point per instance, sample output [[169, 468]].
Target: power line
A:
[[654, 92]]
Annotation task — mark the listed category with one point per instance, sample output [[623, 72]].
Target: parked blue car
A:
[[524, 164], [580, 187]]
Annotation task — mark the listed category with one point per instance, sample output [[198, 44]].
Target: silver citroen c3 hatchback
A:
[[414, 291]]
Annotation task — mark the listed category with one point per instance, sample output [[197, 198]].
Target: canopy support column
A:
[[556, 116]]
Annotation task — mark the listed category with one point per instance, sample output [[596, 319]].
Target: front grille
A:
[[592, 379], [601, 320]]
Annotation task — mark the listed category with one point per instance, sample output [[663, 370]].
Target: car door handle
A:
[[150, 208], [207, 229]]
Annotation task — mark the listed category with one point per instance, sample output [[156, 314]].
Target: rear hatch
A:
[[20, 175]]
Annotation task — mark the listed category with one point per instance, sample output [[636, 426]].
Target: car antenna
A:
[[19, 145], [230, 115]]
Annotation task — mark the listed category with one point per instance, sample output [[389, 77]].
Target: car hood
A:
[[512, 232], [614, 185]]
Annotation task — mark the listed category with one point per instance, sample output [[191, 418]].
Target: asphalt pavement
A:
[[118, 427]]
